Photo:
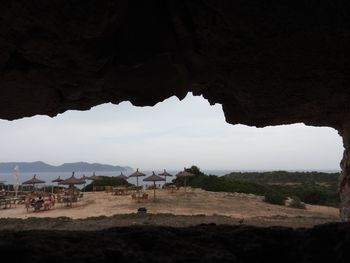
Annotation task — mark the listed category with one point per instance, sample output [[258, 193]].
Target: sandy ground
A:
[[218, 207]]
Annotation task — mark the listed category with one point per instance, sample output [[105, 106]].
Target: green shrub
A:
[[272, 185], [107, 181], [275, 198]]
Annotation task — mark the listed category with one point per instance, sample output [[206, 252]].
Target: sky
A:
[[173, 134]]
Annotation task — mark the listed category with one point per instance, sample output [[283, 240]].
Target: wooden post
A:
[[154, 191]]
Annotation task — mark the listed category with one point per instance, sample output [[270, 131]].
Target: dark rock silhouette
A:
[[267, 62], [203, 243]]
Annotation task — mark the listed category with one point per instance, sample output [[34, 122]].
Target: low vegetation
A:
[[309, 187], [107, 181]]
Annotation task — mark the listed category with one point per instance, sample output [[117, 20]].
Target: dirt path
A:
[[180, 209]]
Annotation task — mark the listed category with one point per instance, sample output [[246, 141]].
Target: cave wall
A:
[[267, 62]]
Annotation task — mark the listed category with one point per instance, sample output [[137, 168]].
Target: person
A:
[[49, 203], [3, 192], [39, 203], [28, 201]]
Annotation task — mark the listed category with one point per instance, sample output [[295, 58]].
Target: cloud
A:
[[172, 134]]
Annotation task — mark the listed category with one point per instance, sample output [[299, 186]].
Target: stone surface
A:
[[267, 62], [203, 243]]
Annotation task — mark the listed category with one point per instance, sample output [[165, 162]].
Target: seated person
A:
[[49, 203], [39, 203], [32, 200]]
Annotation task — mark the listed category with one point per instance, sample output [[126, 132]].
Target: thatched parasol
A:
[[122, 176], [137, 174], [72, 181], [34, 181], [84, 178], [94, 178], [154, 178], [57, 180], [165, 174], [185, 174]]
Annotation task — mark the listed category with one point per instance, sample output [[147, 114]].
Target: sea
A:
[[9, 178]]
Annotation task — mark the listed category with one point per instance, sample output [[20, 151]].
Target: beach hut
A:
[[165, 174], [154, 178], [137, 174], [185, 174], [34, 181]]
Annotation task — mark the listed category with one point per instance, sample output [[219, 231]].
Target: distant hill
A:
[[36, 167]]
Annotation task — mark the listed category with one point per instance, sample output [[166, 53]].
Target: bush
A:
[[296, 203], [275, 198], [107, 181]]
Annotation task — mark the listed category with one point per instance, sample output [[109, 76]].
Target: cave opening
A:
[[174, 134]]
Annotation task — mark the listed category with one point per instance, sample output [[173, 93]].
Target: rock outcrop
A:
[[267, 62]]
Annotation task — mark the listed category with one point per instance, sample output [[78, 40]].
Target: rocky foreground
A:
[[197, 227], [202, 243]]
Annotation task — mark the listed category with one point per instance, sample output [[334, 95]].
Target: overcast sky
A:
[[171, 135]]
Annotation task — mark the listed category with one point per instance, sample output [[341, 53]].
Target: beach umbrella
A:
[[71, 181], [185, 174], [94, 178], [84, 178], [122, 176], [154, 178], [34, 181], [165, 174], [137, 174], [57, 180]]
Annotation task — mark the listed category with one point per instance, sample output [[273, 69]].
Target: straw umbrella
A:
[[84, 178], [57, 180], [154, 178], [137, 174], [34, 181], [185, 174], [165, 174], [122, 176], [94, 178], [71, 181]]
